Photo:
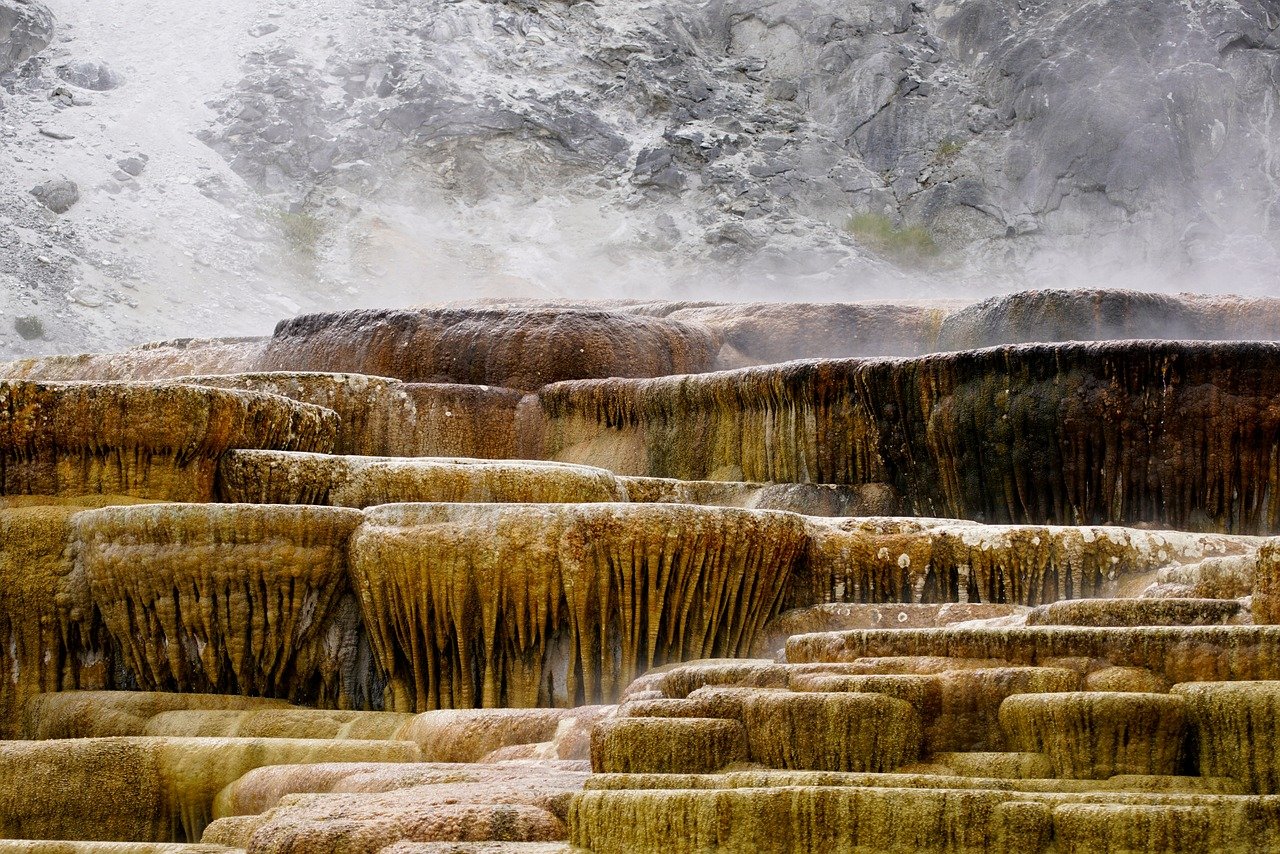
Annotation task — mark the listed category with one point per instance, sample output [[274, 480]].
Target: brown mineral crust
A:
[[145, 789], [881, 562], [958, 709], [472, 605], [667, 745], [1095, 735], [375, 415], [480, 421], [224, 598], [1230, 577], [50, 637], [46, 846], [367, 823], [158, 361], [104, 714], [149, 440], [514, 349], [968, 716], [1090, 828], [1121, 788], [1266, 585], [988, 765], [771, 332], [278, 723], [682, 679], [796, 423], [476, 848], [1175, 653], [848, 819], [281, 477], [1172, 433], [1095, 314], [1236, 726], [830, 731], [1128, 679], [924, 693], [839, 616], [468, 735], [544, 783], [1136, 612], [894, 664], [809, 499]]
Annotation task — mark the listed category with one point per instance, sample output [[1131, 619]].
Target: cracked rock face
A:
[[26, 28]]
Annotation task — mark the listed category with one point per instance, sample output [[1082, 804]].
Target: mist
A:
[[301, 157]]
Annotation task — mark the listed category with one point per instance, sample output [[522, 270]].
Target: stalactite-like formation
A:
[[1098, 734], [1180, 434], [50, 639], [274, 477], [513, 349], [223, 598], [147, 440], [787, 423], [882, 561], [524, 605]]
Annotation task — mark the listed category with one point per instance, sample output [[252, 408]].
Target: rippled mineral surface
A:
[[542, 579]]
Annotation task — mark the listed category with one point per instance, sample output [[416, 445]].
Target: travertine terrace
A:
[[651, 577]]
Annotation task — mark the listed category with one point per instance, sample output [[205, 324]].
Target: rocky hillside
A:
[[182, 168]]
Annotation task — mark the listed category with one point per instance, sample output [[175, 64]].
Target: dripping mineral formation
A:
[[622, 578]]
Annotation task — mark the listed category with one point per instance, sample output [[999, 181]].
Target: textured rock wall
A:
[[51, 639], [375, 415], [789, 423], [1170, 433], [234, 599]]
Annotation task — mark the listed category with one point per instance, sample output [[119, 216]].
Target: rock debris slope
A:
[[317, 155], [1020, 598]]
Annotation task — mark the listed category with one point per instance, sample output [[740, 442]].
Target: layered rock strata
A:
[[146, 440]]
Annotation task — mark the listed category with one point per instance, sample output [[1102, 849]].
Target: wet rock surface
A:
[[261, 603]]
